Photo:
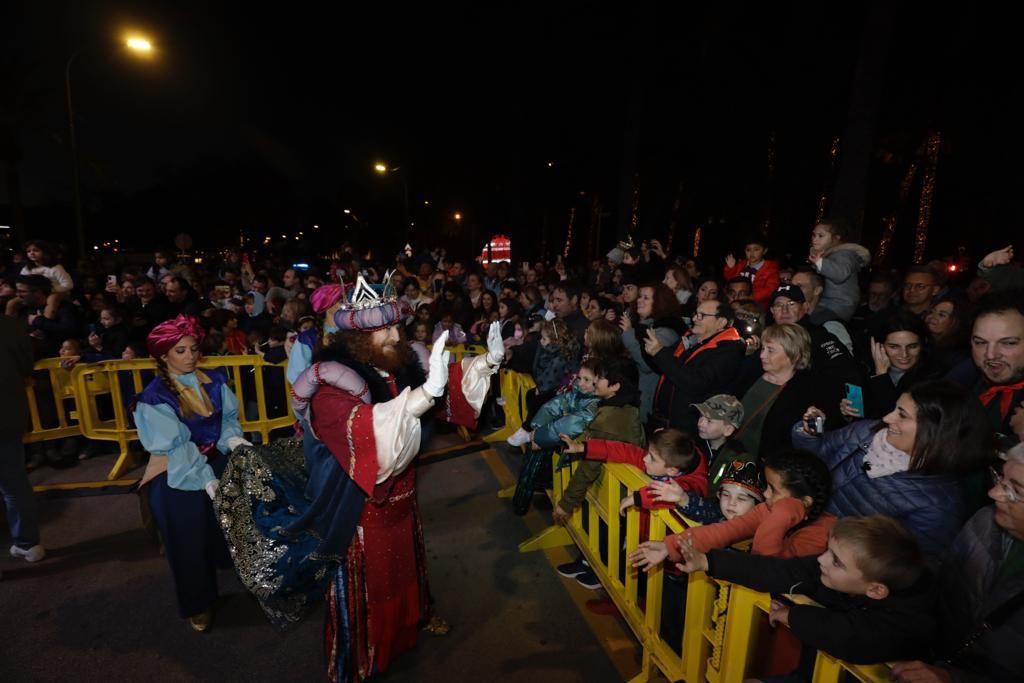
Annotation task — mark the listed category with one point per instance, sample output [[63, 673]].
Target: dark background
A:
[[254, 122]]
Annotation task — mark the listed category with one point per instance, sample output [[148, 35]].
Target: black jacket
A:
[[854, 628], [805, 389], [695, 375], [830, 358]]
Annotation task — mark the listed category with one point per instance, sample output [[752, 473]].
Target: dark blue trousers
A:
[[193, 540]]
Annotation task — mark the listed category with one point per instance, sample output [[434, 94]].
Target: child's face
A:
[[503, 310], [711, 429], [106, 319], [839, 568], [421, 333], [774, 489], [822, 238], [423, 313], [128, 353], [603, 389], [33, 253], [585, 381], [68, 349], [545, 340], [655, 465], [249, 306], [735, 500], [446, 322], [755, 253], [306, 325]]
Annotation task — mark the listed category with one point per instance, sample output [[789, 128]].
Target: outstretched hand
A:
[[437, 378], [999, 257], [495, 345]]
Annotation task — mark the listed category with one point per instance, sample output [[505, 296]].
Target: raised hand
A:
[[730, 261], [999, 257], [495, 345], [437, 378], [651, 344]]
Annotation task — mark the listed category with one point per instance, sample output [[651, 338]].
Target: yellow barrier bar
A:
[[119, 429], [63, 415], [722, 620], [514, 388]]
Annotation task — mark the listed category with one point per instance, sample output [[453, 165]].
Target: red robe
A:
[[387, 577]]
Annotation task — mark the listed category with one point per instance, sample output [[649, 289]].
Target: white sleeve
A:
[[476, 380], [396, 430]]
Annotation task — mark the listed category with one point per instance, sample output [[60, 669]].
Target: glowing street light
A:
[[458, 216], [380, 168], [139, 44]]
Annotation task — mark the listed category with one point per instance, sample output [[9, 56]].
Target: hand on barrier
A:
[[234, 442], [693, 560], [669, 492], [919, 672], [212, 487], [437, 379], [560, 516], [625, 504], [495, 346], [779, 613], [648, 555]]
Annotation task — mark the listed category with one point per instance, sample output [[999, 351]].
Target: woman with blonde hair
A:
[[779, 396]]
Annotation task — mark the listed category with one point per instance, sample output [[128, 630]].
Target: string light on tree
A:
[[568, 234], [833, 154], [696, 242], [924, 215]]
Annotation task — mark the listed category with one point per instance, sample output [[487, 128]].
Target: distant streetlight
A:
[[383, 169], [458, 216], [139, 46]]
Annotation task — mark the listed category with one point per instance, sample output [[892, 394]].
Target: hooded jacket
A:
[[839, 266]]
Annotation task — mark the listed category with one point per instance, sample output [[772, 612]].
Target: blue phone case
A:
[[855, 395]]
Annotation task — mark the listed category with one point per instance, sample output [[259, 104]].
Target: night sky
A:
[[269, 120]]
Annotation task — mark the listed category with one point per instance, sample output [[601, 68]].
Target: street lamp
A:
[[137, 45], [383, 169]]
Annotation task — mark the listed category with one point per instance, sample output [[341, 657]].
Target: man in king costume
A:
[[339, 513]]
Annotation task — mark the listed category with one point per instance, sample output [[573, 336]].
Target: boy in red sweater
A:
[[671, 455], [762, 273]]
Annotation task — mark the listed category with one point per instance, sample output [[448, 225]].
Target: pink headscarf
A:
[[165, 335], [326, 296]]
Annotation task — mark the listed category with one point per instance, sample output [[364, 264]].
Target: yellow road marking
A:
[[617, 642]]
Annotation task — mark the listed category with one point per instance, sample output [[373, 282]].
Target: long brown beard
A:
[[363, 350]]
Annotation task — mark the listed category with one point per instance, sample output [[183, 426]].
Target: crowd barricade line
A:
[[514, 388], [722, 621], [51, 400], [91, 380]]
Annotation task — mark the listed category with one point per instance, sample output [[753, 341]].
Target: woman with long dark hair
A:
[[909, 465]]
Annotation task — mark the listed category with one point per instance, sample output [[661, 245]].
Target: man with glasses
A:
[[691, 376], [829, 357], [920, 286], [982, 591]]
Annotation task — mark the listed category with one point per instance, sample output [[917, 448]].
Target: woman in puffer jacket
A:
[[909, 466]]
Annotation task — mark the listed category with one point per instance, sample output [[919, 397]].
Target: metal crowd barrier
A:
[[722, 621]]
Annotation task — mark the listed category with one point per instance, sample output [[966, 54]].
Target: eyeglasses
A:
[[700, 315], [1012, 496], [784, 306]]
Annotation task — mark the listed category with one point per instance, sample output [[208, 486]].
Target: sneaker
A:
[[588, 579], [33, 554], [571, 570], [520, 438]]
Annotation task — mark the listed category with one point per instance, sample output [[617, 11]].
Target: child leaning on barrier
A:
[[617, 418], [720, 417], [791, 522], [670, 456], [873, 591], [569, 413]]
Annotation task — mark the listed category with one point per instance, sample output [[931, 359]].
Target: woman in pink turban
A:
[[188, 422]]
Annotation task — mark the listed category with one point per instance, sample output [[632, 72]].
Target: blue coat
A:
[[569, 413], [931, 506]]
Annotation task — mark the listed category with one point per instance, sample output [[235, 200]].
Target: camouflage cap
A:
[[722, 407]]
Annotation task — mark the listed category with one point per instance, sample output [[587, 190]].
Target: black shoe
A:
[[571, 570], [588, 579]]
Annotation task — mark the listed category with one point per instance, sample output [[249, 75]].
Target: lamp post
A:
[[139, 46]]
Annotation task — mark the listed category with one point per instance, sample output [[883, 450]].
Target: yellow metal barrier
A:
[[120, 430], [54, 386], [514, 387], [721, 620]]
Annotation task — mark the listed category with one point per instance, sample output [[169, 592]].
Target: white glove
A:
[[234, 442], [495, 345], [211, 488], [437, 378]]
